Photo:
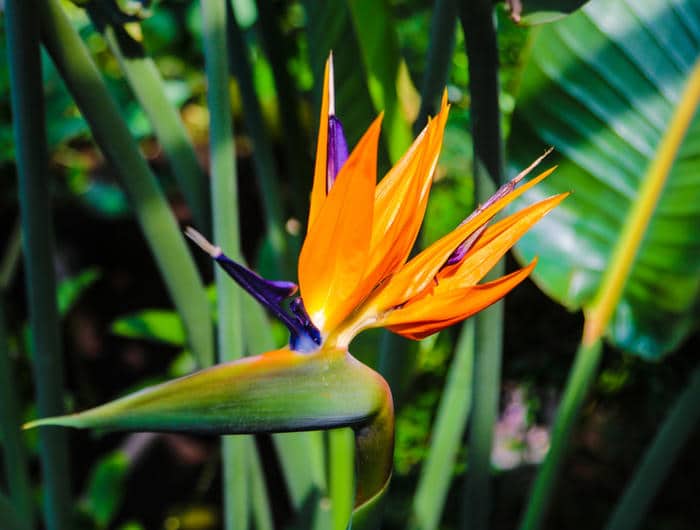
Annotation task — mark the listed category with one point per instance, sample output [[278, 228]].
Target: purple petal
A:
[[337, 151], [305, 337]]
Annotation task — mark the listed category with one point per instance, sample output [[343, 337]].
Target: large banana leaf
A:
[[601, 86]]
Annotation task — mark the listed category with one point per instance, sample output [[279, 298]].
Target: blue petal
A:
[[337, 151]]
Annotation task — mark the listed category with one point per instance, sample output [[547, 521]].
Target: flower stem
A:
[[263, 156], [580, 378], [224, 192], [148, 86], [22, 28], [83, 79], [654, 468], [450, 423]]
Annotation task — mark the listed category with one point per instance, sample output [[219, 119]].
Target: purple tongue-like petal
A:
[[270, 293], [337, 151], [305, 337]]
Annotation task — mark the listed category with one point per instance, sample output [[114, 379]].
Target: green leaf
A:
[[152, 324], [329, 28], [543, 11], [387, 73], [70, 289], [601, 87], [106, 488], [9, 516]]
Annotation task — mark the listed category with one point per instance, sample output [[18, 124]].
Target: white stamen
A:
[[331, 86], [202, 242]]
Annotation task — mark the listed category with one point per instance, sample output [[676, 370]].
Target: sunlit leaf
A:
[[152, 324], [601, 87]]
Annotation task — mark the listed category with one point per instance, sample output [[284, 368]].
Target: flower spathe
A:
[[353, 269]]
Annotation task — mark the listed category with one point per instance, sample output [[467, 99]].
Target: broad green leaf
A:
[[152, 324], [601, 87], [543, 11]]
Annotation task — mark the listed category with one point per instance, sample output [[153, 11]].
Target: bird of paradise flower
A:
[[354, 274]]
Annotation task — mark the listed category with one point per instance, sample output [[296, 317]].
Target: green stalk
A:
[[580, 378], [259, 499], [656, 465], [443, 29], [482, 52], [342, 476], [263, 155], [35, 210], [450, 422], [148, 86], [10, 420], [486, 393], [224, 192], [112, 135]]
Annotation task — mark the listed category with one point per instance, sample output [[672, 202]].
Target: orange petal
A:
[[418, 273], [443, 308], [401, 200], [494, 243], [335, 254], [318, 189]]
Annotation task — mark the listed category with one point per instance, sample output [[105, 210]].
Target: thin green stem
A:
[[224, 192], [259, 499], [680, 423], [263, 155], [148, 86], [486, 392], [35, 210], [10, 420], [443, 30], [581, 377], [342, 476], [482, 52], [112, 135], [450, 423]]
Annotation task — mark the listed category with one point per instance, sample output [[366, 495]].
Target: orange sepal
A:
[[442, 308], [335, 253]]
